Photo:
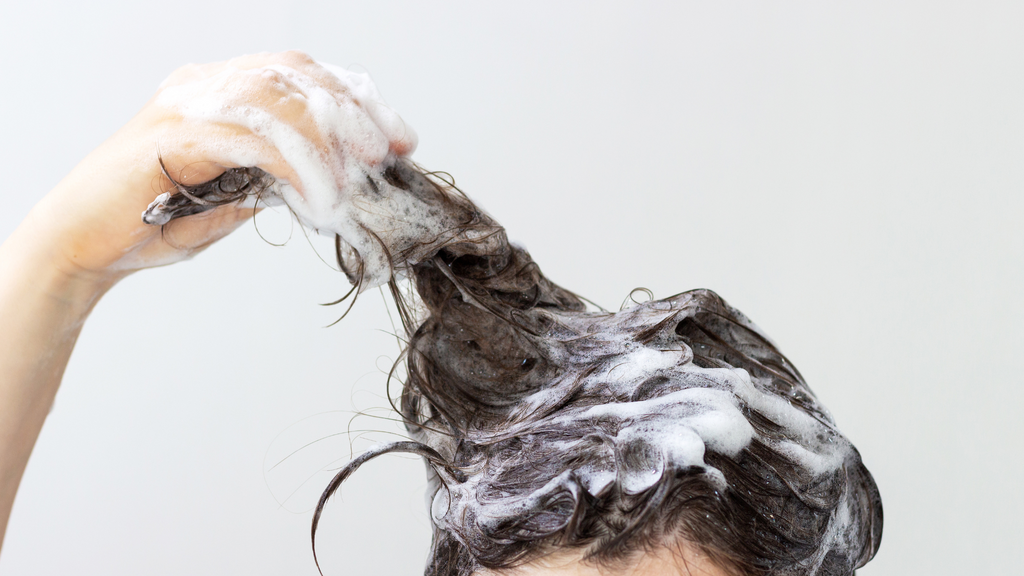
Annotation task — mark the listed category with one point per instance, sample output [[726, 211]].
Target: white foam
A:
[[688, 412], [347, 135]]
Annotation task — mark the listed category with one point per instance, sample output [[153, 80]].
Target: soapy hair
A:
[[546, 426]]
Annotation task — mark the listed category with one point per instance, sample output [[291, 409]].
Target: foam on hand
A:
[[338, 138]]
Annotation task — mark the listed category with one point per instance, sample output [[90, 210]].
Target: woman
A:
[[669, 438]]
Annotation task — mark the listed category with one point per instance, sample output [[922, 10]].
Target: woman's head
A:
[[550, 427], [546, 427]]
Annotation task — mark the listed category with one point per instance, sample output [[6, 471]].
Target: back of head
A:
[[557, 427], [546, 426]]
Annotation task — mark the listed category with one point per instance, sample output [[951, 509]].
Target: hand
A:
[[250, 111], [305, 124]]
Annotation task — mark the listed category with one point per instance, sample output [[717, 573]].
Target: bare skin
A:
[[87, 234], [680, 560]]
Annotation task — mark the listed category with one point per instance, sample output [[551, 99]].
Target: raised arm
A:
[[87, 233]]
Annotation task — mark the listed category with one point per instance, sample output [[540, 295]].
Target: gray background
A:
[[848, 174]]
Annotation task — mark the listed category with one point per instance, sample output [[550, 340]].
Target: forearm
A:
[[88, 231], [42, 308]]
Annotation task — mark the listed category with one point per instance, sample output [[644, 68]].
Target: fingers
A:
[[295, 106], [193, 72], [195, 233], [320, 131], [234, 116], [197, 152], [401, 137]]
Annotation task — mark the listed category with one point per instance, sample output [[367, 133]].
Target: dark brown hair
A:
[[531, 437]]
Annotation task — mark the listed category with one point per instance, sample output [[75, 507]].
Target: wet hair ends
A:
[[547, 426]]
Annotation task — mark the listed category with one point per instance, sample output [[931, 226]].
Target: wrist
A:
[[35, 257]]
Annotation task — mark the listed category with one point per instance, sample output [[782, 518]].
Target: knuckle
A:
[[296, 57]]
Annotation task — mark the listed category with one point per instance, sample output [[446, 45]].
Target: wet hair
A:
[[546, 426]]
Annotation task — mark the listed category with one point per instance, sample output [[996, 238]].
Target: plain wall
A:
[[847, 174]]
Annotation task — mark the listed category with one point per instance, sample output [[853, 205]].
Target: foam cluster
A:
[[680, 391], [333, 131]]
